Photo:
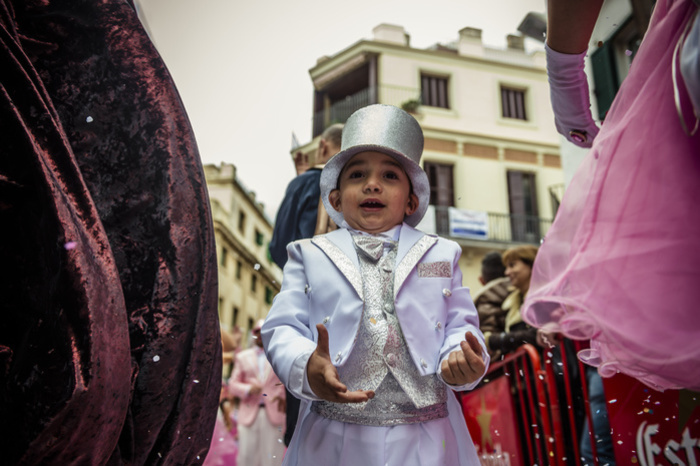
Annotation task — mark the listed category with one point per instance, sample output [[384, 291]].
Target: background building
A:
[[248, 279], [491, 148]]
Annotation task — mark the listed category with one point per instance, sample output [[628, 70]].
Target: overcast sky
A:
[[241, 67]]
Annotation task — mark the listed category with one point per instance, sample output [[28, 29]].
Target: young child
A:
[[372, 328]]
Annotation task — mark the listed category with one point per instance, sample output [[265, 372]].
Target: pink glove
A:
[[568, 90]]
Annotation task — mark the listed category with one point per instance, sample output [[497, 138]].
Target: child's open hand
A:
[[323, 376], [465, 366]]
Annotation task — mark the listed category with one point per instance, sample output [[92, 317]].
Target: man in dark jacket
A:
[[297, 214]]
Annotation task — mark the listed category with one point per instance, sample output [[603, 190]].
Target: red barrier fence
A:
[[531, 409]]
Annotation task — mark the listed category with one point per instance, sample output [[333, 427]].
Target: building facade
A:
[[491, 148], [248, 279]]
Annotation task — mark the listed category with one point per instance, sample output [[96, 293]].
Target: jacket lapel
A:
[[339, 248], [413, 244]]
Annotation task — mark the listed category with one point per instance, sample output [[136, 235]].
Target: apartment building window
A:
[[513, 103], [259, 238], [224, 257], [441, 180], [434, 91], [250, 324], [239, 267], [524, 213], [241, 222], [611, 63], [234, 319], [254, 283], [268, 295]]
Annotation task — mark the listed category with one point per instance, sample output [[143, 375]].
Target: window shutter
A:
[[604, 77]]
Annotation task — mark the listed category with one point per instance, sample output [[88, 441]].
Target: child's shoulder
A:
[[444, 242]]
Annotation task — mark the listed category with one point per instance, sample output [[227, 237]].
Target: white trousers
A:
[[260, 444], [336, 443]]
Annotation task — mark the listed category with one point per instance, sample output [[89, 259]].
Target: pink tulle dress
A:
[[621, 264], [224, 446]]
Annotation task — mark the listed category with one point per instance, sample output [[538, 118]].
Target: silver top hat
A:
[[391, 131]]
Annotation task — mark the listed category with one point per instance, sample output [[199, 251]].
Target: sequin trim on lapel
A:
[[342, 261], [410, 260]]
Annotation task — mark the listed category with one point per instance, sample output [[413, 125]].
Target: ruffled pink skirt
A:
[[621, 264]]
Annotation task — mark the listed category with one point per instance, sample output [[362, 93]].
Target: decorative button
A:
[[391, 359], [306, 289], [438, 326], [446, 293], [326, 319], [338, 356], [579, 136], [423, 363]]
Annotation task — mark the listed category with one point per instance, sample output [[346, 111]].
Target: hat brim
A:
[[418, 177]]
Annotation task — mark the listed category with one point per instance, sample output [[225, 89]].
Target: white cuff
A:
[[298, 380]]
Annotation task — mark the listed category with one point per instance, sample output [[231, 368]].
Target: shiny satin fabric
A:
[[109, 336]]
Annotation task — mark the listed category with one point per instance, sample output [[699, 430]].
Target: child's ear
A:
[[411, 205], [334, 198]]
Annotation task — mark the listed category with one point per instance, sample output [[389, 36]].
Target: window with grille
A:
[[254, 283], [259, 238], [524, 212], [268, 295], [441, 181], [241, 222], [434, 91], [513, 103]]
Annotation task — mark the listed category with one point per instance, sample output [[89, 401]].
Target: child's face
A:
[[375, 193]]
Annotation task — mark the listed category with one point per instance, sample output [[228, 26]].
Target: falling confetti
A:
[[89, 119], [614, 400], [628, 53], [70, 245], [156, 358], [256, 266], [195, 381]]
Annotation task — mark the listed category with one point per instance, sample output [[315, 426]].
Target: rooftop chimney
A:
[[515, 42], [470, 42], [391, 34]]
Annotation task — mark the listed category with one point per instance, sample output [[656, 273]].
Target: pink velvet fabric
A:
[[620, 263]]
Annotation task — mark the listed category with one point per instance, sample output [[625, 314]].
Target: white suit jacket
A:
[[322, 284]]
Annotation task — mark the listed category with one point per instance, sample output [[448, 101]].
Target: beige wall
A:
[[236, 245]]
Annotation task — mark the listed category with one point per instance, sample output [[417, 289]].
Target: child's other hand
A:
[[323, 376], [465, 366]]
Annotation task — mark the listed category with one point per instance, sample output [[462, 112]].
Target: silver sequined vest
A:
[[380, 361]]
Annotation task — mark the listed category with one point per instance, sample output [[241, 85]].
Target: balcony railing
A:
[[340, 110], [489, 226]]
